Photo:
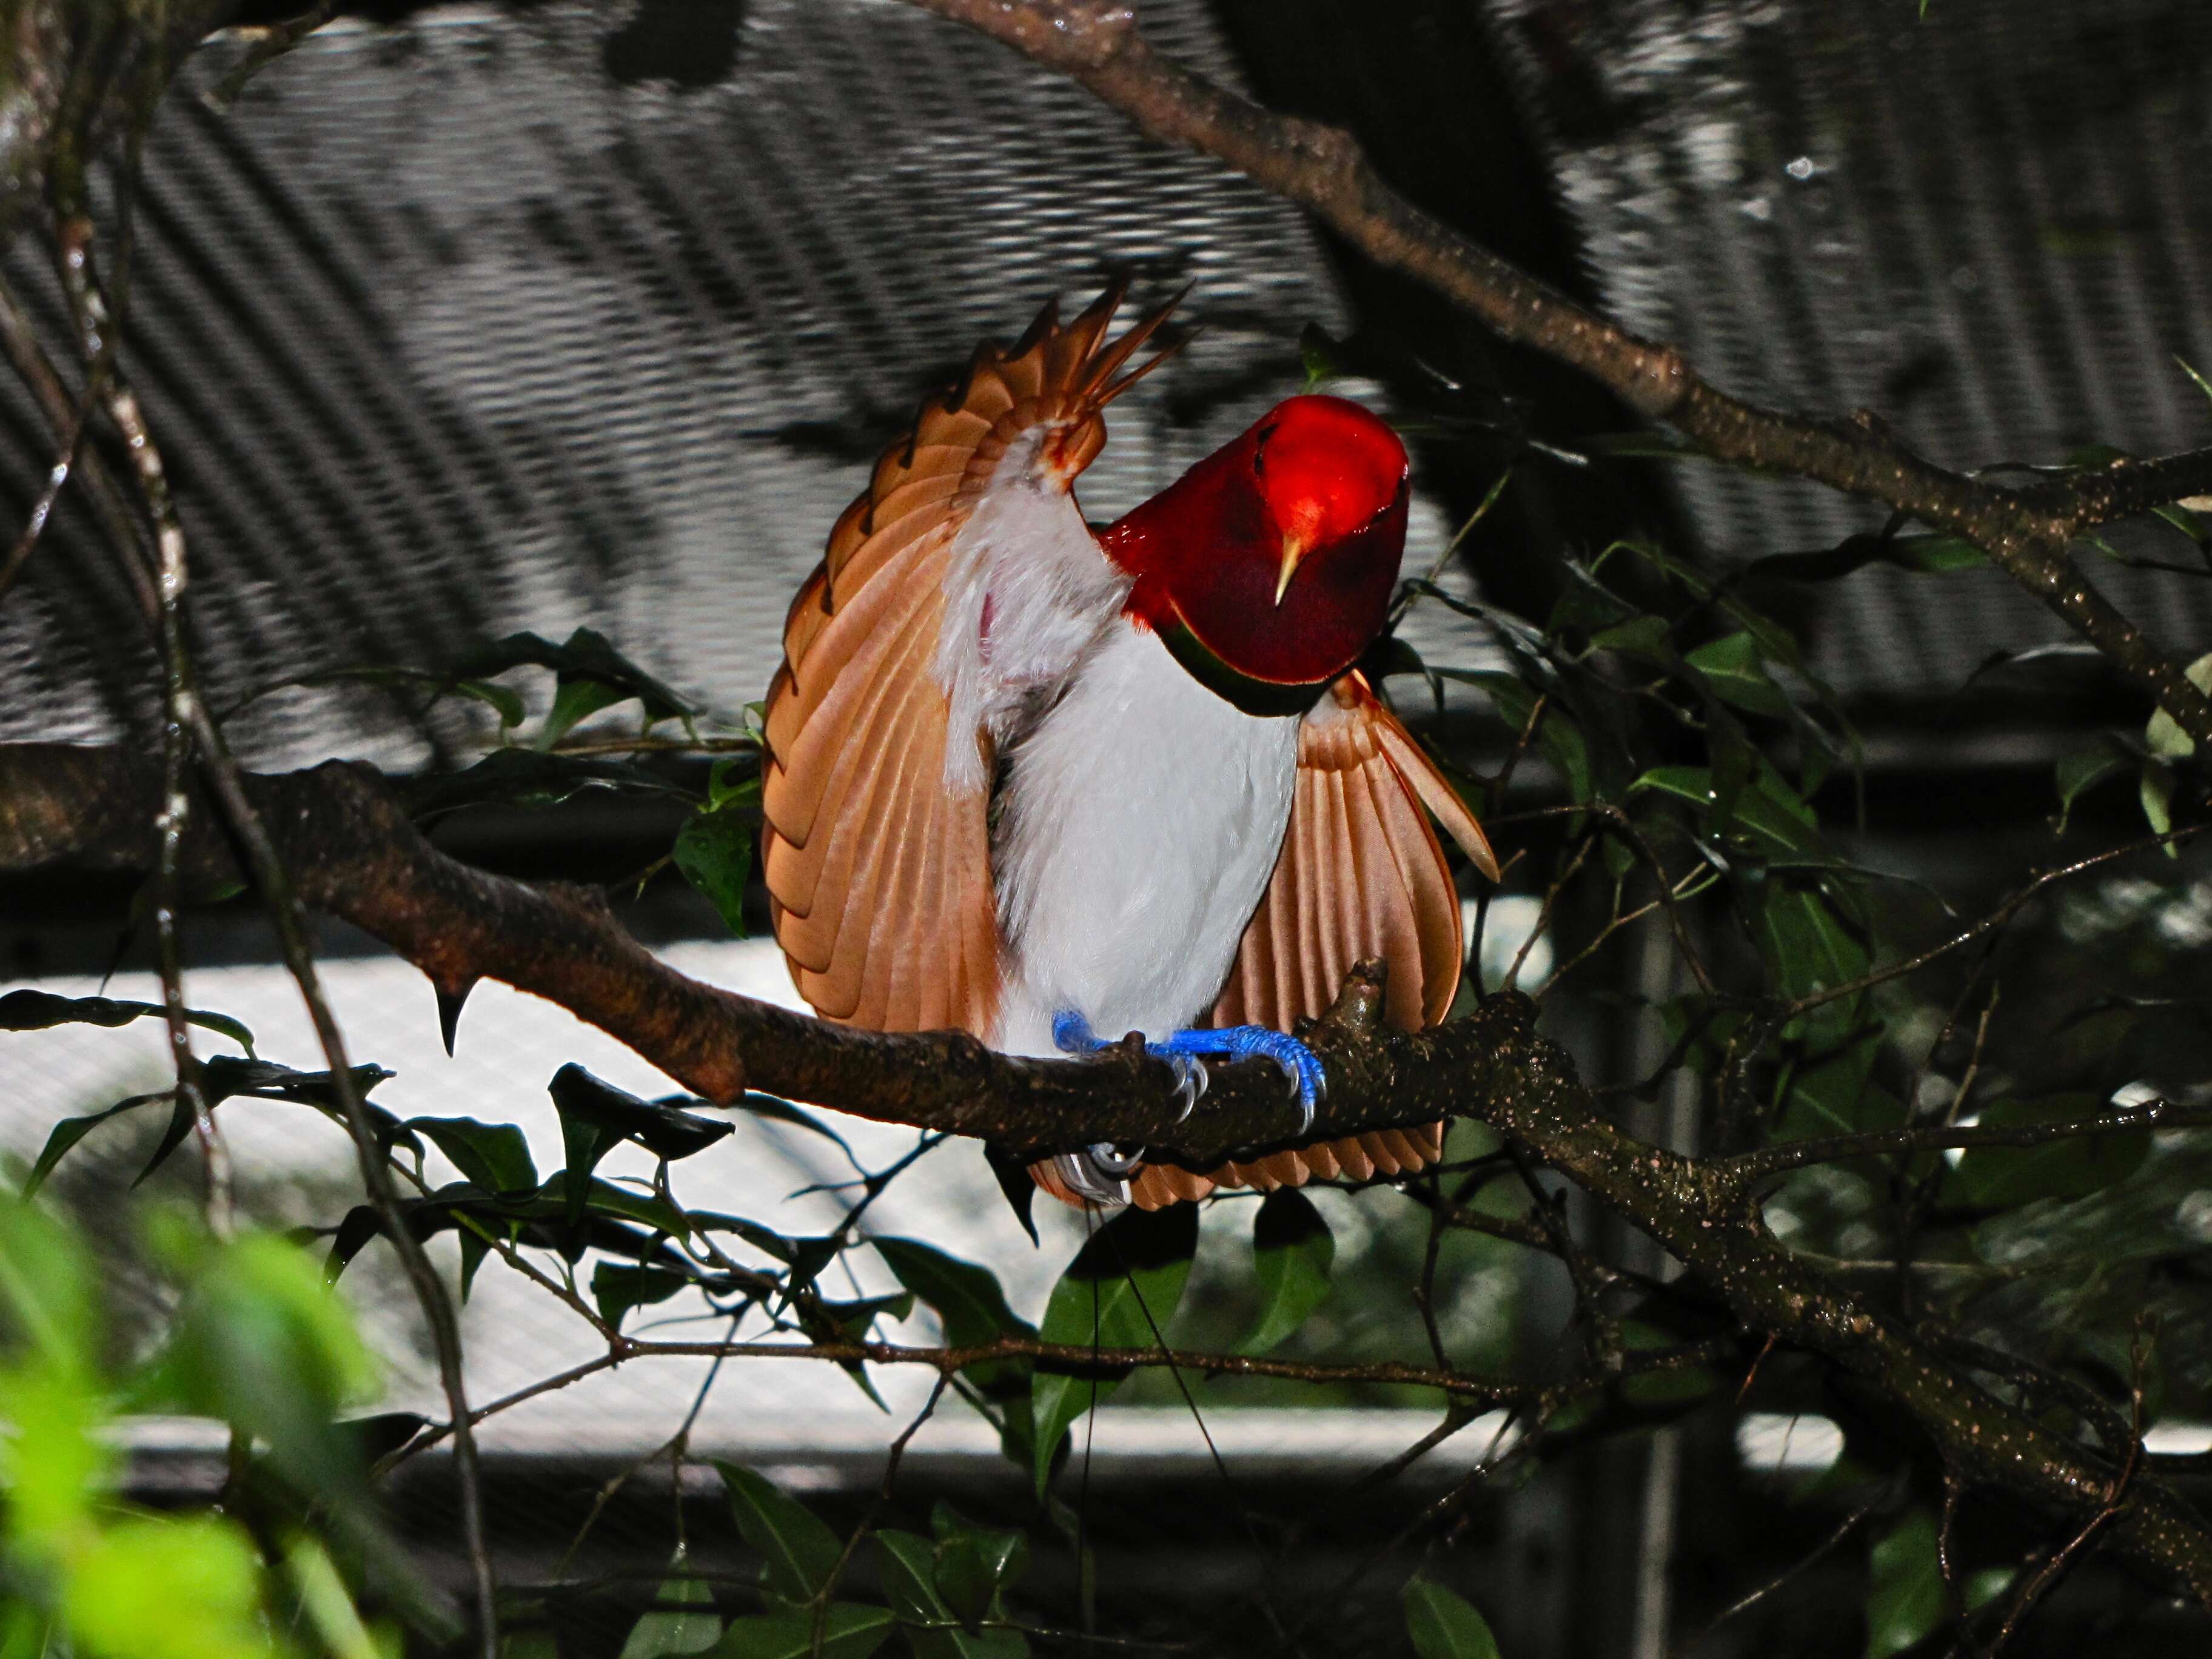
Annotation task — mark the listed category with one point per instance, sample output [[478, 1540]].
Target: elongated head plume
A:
[[1267, 567]]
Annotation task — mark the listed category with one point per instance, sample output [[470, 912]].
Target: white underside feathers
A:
[[1141, 820]]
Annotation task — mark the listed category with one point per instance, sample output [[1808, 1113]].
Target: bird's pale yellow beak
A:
[[1294, 550]]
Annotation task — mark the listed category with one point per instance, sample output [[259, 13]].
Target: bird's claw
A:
[[1190, 1081]]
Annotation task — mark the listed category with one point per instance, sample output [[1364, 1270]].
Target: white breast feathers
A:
[[1140, 822]]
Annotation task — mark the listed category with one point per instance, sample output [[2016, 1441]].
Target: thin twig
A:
[[1843, 1530], [97, 329], [867, 1522], [1747, 1167], [1996, 919]]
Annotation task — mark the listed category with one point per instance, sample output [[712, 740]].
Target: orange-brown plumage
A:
[[961, 608]]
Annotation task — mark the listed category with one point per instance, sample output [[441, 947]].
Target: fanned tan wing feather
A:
[[878, 868], [1361, 874]]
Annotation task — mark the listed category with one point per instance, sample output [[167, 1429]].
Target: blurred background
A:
[[471, 319]]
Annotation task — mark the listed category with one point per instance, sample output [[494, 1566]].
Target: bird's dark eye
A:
[[1259, 450]]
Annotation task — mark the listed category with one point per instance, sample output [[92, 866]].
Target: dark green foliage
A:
[[1118, 1293], [715, 848], [39, 1011], [798, 1551], [589, 674], [683, 1621], [1291, 1251], [912, 1567], [1442, 1625], [220, 1078]]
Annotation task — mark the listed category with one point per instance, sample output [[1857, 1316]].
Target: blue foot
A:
[[1072, 1034], [1299, 1064]]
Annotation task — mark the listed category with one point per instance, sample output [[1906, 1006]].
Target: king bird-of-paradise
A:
[[1049, 785]]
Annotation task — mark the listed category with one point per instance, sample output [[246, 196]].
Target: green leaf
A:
[[1806, 943], [849, 1631], [493, 1156], [2203, 385], [2083, 770], [1318, 356], [851, 1322], [617, 1288], [683, 1621], [596, 1117], [47, 1311], [1830, 1091], [227, 1075], [725, 790], [800, 1550], [2163, 736], [2189, 522], [2156, 792], [38, 1011], [2001, 1177], [1931, 555], [222, 1077], [1563, 742], [1769, 815], [574, 702], [976, 1565], [1735, 669], [66, 1133], [264, 1342], [909, 1574], [714, 851], [585, 655], [1513, 701], [1639, 636], [180, 1125], [1292, 1250], [606, 1198], [1443, 1626], [164, 1588], [1905, 1597], [1125, 1281], [970, 1305], [968, 1301]]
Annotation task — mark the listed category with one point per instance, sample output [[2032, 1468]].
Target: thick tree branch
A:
[[354, 854], [2026, 532], [341, 830]]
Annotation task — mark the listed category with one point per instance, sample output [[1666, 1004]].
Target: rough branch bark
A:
[[353, 852], [2025, 532]]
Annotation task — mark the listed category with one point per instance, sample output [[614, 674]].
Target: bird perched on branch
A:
[[1050, 785]]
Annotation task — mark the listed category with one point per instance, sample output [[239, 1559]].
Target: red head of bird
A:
[[1267, 567]]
